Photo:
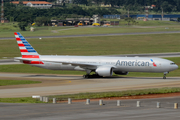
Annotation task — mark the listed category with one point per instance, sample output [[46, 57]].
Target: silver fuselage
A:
[[126, 64]]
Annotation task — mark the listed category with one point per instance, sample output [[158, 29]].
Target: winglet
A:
[[27, 51]]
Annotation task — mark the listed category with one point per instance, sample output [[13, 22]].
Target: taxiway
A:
[[63, 84]]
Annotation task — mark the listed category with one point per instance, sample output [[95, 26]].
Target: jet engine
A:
[[104, 71], [121, 72]]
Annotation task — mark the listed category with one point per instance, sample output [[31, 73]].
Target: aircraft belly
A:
[[67, 67], [135, 69]]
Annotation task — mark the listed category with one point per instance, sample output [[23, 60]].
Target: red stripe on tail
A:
[[21, 45], [15, 33], [23, 50], [18, 39]]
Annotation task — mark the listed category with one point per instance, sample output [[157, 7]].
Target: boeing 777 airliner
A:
[[102, 66]]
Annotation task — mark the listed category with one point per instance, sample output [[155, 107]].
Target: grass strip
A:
[[116, 94], [54, 31], [81, 96], [17, 82], [20, 100]]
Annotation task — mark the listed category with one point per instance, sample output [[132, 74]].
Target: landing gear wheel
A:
[[165, 73], [85, 76], [92, 76], [164, 77]]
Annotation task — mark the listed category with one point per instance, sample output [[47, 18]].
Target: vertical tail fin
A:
[[27, 51]]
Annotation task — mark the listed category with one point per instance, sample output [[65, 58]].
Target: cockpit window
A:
[[172, 63]]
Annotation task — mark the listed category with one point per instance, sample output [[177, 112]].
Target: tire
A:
[[84, 76]]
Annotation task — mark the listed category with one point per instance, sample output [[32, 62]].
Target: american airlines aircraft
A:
[[102, 66]]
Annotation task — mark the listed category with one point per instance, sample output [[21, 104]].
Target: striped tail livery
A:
[[29, 54], [27, 51]]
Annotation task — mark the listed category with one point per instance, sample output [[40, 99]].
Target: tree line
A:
[[25, 15], [166, 5], [17, 12]]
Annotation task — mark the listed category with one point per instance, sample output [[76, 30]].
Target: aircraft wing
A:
[[63, 62], [82, 65], [72, 63]]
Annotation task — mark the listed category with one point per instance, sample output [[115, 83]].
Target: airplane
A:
[[101, 65]]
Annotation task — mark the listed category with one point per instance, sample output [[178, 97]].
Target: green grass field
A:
[[16, 82], [7, 30], [104, 45]]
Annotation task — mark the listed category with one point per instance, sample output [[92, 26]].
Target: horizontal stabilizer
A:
[[28, 61]]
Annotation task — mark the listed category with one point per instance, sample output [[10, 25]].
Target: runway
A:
[[66, 84], [80, 111], [95, 35]]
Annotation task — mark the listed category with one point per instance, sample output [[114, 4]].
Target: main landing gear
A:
[[91, 76], [165, 73]]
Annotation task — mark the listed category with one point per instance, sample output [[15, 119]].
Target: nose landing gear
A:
[[165, 73], [164, 77]]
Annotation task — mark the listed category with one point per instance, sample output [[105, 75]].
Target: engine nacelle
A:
[[121, 72], [104, 71]]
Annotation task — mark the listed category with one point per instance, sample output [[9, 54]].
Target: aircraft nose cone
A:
[[173, 67], [176, 66]]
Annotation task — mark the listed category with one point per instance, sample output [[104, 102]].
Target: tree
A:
[[23, 20], [22, 25], [80, 2], [130, 20], [97, 1], [166, 6], [42, 20]]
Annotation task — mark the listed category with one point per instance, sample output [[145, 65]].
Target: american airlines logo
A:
[[154, 64], [132, 63]]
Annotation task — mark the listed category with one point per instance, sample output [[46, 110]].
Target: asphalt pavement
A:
[[71, 84], [81, 111]]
